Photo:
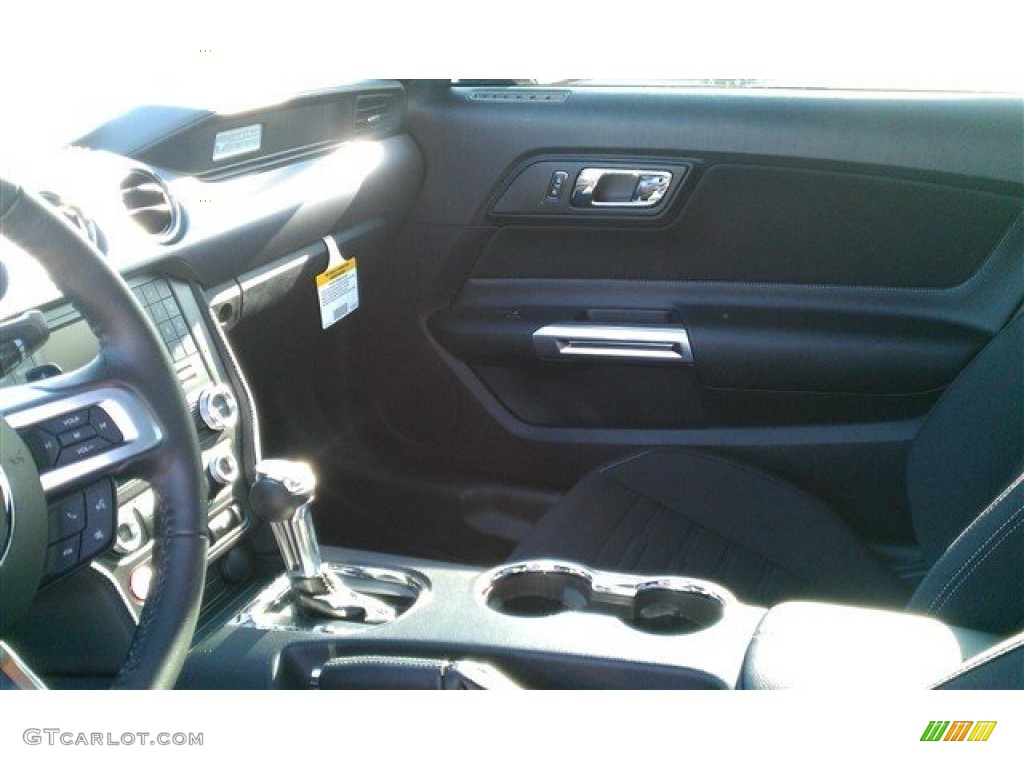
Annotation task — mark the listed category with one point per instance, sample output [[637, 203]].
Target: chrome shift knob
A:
[[281, 496]]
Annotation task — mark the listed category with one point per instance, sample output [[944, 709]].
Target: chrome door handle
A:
[[620, 188], [668, 344]]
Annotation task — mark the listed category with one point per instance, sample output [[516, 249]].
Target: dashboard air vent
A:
[[150, 205], [375, 112]]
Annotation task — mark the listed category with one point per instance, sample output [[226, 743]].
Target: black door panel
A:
[[835, 263], [767, 355], [778, 225], [470, 144]]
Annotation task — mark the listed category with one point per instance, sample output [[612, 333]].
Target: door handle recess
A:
[[620, 188], [667, 344]]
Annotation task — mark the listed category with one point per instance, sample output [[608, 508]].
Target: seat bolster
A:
[[1000, 668], [976, 582]]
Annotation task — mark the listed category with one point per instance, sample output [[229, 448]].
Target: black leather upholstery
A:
[[670, 512], [830, 647], [1001, 668], [979, 579], [971, 445]]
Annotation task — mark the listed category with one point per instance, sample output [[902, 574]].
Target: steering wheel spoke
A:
[[80, 434]]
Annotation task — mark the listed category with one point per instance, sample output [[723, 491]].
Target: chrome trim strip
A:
[[7, 499], [623, 342], [606, 585], [134, 611], [137, 425], [683, 586]]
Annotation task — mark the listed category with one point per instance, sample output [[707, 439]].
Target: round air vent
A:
[[78, 220], [150, 205]]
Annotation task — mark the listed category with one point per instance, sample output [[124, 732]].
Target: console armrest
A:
[[824, 646]]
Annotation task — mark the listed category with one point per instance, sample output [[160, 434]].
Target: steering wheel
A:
[[132, 380]]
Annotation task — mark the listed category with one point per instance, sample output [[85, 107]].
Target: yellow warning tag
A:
[[337, 287]]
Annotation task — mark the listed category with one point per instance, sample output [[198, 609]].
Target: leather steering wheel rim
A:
[[132, 356]]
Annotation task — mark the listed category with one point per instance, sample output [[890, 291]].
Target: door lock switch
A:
[[556, 186]]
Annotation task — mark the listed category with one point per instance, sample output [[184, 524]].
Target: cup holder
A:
[[539, 592], [675, 607], [666, 606]]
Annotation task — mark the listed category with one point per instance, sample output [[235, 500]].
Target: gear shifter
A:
[[281, 496]]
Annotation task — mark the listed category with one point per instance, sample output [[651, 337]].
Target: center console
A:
[[540, 624], [550, 624]]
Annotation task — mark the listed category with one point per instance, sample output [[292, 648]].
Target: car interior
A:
[[434, 384]]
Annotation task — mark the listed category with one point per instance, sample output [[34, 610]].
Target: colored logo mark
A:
[[958, 730]]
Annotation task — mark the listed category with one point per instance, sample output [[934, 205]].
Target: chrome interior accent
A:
[[648, 187], [298, 544], [622, 342], [7, 510], [217, 407], [537, 589], [136, 423], [274, 609]]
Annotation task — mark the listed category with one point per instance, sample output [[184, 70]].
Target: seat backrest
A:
[[966, 491]]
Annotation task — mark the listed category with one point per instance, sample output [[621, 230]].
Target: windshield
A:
[[54, 106], [71, 66]]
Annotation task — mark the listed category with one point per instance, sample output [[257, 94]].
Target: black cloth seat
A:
[[668, 512], [671, 512]]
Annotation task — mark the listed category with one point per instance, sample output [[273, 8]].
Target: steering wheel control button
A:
[[62, 556], [77, 435], [67, 517], [218, 408], [68, 421], [83, 451], [45, 448], [105, 426], [99, 516]]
